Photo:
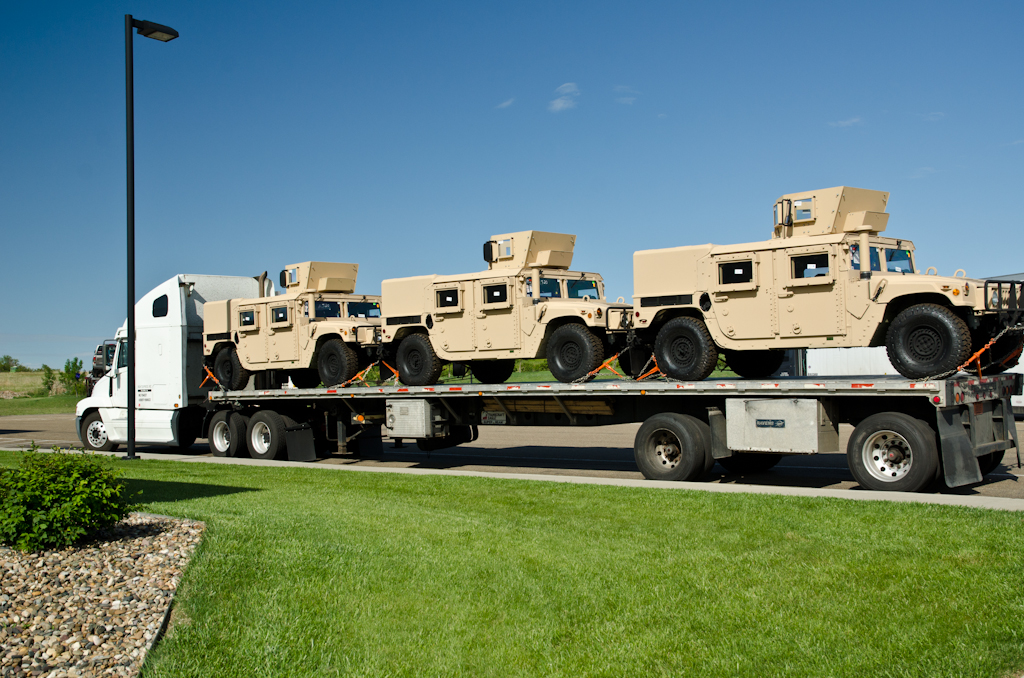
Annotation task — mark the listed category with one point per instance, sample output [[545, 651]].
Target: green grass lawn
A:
[[307, 572], [62, 404]]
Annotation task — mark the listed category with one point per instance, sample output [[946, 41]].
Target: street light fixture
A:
[[164, 34]]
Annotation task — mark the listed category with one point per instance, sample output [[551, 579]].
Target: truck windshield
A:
[[550, 288], [363, 309], [898, 261], [579, 289], [328, 309], [855, 258]]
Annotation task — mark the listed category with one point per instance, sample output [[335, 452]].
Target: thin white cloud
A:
[[922, 172], [662, 115], [625, 100], [506, 104], [1018, 141], [569, 92], [850, 122]]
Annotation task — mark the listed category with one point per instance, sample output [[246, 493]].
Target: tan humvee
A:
[[807, 288], [527, 304], [317, 330]]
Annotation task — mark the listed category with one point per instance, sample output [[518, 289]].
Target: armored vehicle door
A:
[[282, 339], [497, 324], [811, 302], [452, 320], [742, 297], [252, 342]]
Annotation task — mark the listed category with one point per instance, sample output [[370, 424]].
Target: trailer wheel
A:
[[228, 369], [669, 446], [988, 462], [418, 364], [755, 364], [890, 451], [227, 433], [685, 350], [265, 435], [573, 352], [492, 371], [926, 340], [336, 363], [94, 434], [746, 462]]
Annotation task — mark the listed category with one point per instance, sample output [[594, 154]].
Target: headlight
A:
[[993, 301]]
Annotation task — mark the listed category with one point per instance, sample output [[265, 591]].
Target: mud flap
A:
[[300, 442], [959, 464], [719, 448]]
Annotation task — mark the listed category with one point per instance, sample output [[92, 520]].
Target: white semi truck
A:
[[170, 394]]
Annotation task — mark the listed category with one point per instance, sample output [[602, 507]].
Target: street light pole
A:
[[164, 34]]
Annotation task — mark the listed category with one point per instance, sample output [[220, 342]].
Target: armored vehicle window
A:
[[550, 288], [363, 309], [494, 294], [160, 306], [898, 261], [122, 354], [579, 289], [327, 309], [279, 314], [810, 265], [447, 298], [735, 272], [247, 318], [855, 258], [803, 209]]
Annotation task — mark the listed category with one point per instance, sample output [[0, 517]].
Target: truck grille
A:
[[1008, 296]]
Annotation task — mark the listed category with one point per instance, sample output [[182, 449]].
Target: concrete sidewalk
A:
[[976, 501]]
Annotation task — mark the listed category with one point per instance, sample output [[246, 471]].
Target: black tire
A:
[[94, 434], [573, 352], [187, 432], [747, 462], [418, 364], [989, 462], [626, 362], [264, 436], [492, 371], [891, 451], [927, 340], [336, 362], [228, 369], [755, 364], [308, 378], [1003, 355], [669, 446], [685, 350], [705, 435]]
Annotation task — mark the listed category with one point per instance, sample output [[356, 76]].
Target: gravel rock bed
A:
[[92, 610]]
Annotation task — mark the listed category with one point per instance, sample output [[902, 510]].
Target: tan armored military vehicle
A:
[[527, 304], [809, 287], [316, 331]]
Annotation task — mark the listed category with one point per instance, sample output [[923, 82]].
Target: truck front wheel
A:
[[927, 340], [893, 451], [671, 446], [336, 362], [685, 350], [94, 434], [228, 369], [418, 364], [573, 352]]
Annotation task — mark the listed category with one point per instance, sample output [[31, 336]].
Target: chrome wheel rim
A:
[[261, 438], [887, 456], [665, 449], [96, 434], [221, 436]]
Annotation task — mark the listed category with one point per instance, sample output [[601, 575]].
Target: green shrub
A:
[[57, 498], [49, 376], [71, 377]]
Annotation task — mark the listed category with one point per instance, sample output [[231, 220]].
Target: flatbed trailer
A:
[[907, 434]]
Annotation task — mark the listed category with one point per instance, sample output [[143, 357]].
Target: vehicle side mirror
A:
[[784, 213], [284, 281], [489, 254]]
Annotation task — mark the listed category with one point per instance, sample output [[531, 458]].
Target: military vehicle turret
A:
[[527, 304], [316, 331], [809, 287]]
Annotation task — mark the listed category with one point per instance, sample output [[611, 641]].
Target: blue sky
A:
[[401, 135]]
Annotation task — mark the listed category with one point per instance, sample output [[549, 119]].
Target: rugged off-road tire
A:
[[670, 446], [989, 462], [94, 434], [307, 378], [685, 350], [227, 434], [893, 451], [1003, 355], [573, 352], [418, 364], [228, 369], [927, 340], [747, 462], [264, 436], [336, 362], [492, 371], [626, 362], [755, 364]]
